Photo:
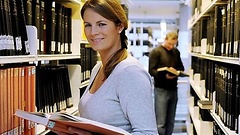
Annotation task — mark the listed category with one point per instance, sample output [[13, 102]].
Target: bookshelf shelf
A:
[[57, 57], [229, 60], [226, 130], [17, 59], [84, 84], [32, 58], [205, 11], [84, 42]]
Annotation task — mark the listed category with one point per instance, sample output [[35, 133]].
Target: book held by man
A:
[[60, 121], [173, 72]]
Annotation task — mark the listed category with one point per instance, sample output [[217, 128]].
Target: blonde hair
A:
[[172, 35]]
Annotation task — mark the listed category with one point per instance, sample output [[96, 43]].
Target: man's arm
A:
[[180, 64], [153, 63]]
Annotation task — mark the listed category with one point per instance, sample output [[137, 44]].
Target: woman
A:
[[120, 90]]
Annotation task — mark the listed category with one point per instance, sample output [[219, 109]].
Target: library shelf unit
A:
[[205, 9], [223, 57], [229, 60], [140, 38], [201, 127], [74, 70], [192, 109]]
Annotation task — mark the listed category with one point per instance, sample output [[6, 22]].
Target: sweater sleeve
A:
[[153, 63], [179, 64], [136, 98]]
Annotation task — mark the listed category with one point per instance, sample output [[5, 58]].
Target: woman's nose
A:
[[94, 31]]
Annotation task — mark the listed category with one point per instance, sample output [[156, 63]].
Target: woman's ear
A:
[[120, 28]]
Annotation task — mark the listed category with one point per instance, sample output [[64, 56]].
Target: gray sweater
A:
[[124, 100]]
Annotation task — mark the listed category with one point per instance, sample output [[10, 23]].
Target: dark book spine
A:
[[36, 19], [69, 14], [42, 27], [62, 30], [58, 30], [8, 41], [212, 82], [232, 16], [65, 31], [22, 28], [53, 27], [225, 97], [15, 29], [27, 5], [224, 30], [50, 28], [217, 30], [236, 29], [237, 101], [228, 42], [232, 98]]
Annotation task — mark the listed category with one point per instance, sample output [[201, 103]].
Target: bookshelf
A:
[[215, 58], [216, 118], [140, 38], [74, 70], [205, 11]]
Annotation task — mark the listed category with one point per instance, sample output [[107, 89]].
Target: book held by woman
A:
[[60, 121]]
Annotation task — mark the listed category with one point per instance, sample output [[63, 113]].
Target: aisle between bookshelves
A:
[[182, 110]]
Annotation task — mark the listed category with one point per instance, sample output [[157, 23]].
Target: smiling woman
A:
[[119, 87]]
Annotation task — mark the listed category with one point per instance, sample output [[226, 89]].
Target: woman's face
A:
[[102, 34]]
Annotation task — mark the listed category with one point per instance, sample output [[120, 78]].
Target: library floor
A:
[[182, 110]]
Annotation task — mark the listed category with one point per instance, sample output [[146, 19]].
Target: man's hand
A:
[[170, 76]]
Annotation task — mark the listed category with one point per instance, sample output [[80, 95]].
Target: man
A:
[[165, 55]]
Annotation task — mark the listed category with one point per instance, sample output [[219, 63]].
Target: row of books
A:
[[53, 91], [13, 33], [89, 59], [227, 95], [207, 70], [17, 91], [54, 25], [222, 79], [218, 34]]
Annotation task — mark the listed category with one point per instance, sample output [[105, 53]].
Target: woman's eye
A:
[[87, 25], [102, 24]]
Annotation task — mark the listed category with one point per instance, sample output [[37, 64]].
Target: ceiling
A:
[[153, 10]]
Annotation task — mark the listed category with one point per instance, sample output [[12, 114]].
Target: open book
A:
[[173, 72], [60, 121]]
